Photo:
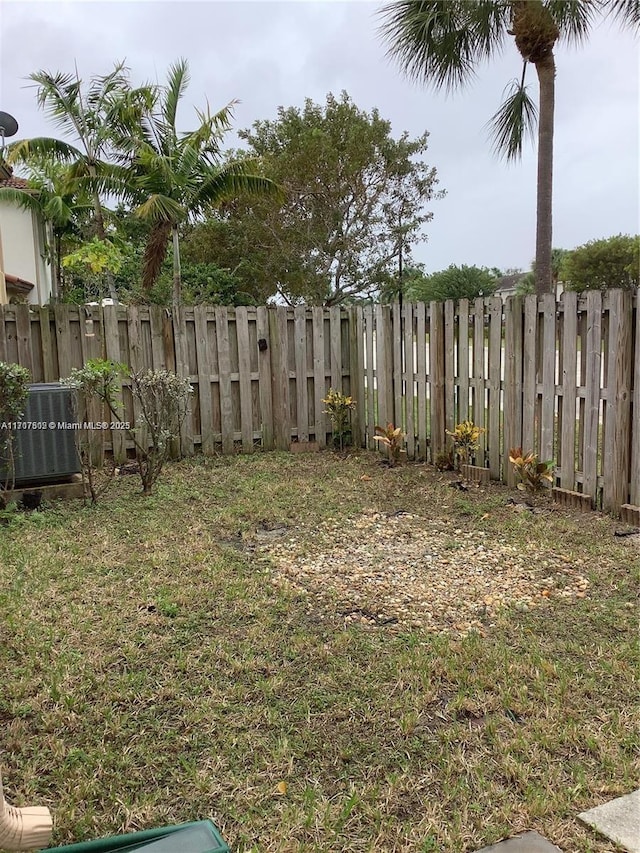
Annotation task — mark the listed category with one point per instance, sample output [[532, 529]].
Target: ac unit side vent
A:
[[46, 454]]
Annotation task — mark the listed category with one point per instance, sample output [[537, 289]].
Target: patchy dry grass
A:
[[152, 672]]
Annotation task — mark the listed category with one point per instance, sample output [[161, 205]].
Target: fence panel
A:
[[559, 379]]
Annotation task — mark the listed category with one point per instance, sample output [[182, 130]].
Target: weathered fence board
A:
[[409, 380], [421, 336], [567, 427], [495, 364], [515, 400], [593, 388]]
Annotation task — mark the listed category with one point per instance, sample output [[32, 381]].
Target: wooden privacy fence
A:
[[258, 374], [560, 379]]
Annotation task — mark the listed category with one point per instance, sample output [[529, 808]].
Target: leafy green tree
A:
[[441, 43], [353, 202], [174, 177], [455, 282], [601, 264]]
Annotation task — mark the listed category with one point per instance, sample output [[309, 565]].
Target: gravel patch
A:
[[402, 571]]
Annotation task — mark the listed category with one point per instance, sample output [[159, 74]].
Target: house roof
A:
[[16, 183], [509, 282], [8, 179]]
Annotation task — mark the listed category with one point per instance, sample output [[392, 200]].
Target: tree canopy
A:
[[354, 200], [456, 282], [602, 264]]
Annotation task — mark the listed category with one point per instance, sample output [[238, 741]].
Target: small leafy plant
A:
[[164, 401], [14, 388], [465, 440], [339, 408], [533, 475], [94, 387], [392, 438]]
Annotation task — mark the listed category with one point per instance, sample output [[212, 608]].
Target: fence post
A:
[[495, 355], [409, 380], [635, 424], [618, 422], [513, 347], [384, 365], [436, 377], [280, 377], [396, 373], [356, 374], [264, 377], [592, 394]]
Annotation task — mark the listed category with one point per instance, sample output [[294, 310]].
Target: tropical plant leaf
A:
[[573, 17], [440, 42], [515, 120], [26, 150], [177, 83], [159, 208], [626, 11], [26, 198]]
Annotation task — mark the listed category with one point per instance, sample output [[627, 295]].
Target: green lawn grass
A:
[[152, 674]]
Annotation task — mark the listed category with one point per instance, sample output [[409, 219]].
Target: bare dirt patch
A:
[[403, 571]]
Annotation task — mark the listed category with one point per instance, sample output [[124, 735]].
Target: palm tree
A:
[[441, 42], [96, 119], [175, 176], [49, 193]]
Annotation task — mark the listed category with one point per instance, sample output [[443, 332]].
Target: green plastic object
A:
[[199, 837]]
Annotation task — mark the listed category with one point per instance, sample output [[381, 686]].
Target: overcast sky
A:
[[268, 54]]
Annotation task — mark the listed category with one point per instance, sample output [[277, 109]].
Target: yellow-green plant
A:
[[465, 440], [393, 438], [339, 408], [533, 475]]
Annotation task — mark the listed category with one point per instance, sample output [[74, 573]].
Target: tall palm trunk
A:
[[57, 265], [155, 252], [546, 70], [536, 33], [177, 276]]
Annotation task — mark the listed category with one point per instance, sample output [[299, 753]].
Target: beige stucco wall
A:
[[22, 250]]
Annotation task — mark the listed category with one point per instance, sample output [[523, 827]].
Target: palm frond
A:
[[109, 179], [230, 181], [574, 18], [42, 147], [627, 12], [104, 87], [154, 170], [160, 209], [515, 120], [440, 42], [59, 96], [218, 124], [58, 211], [27, 198], [176, 85]]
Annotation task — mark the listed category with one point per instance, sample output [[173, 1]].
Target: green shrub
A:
[[603, 264], [14, 388]]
